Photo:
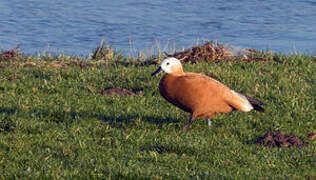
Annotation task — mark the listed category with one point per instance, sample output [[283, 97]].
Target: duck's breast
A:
[[172, 91]]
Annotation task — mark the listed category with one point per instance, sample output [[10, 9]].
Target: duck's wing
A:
[[232, 98]]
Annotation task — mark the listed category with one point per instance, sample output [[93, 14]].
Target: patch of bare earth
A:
[[278, 139], [117, 92]]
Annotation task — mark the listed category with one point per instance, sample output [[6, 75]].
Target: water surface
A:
[[75, 27]]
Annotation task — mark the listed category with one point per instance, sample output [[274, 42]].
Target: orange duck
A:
[[200, 95]]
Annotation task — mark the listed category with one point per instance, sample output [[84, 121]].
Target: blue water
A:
[[75, 27]]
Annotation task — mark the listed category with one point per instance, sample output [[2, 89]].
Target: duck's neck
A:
[[177, 71]]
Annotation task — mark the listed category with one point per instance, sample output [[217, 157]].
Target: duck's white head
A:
[[169, 65]]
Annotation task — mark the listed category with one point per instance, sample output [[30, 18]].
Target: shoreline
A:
[[209, 51]]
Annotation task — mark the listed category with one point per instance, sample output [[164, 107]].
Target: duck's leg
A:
[[208, 122], [186, 127]]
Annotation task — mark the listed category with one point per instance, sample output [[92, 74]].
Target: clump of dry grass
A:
[[211, 51], [208, 52], [61, 64], [253, 55], [105, 52], [11, 54], [56, 63]]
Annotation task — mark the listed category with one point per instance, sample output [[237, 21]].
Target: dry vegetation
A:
[[210, 51], [214, 52]]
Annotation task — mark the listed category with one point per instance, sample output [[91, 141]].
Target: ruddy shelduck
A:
[[200, 95]]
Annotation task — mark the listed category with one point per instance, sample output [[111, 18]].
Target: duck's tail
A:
[[245, 103], [256, 104]]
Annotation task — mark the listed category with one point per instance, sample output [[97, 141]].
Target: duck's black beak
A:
[[159, 70]]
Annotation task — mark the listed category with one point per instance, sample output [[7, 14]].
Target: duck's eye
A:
[[168, 63]]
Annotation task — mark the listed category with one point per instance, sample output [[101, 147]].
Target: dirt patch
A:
[[278, 139], [214, 52], [117, 92]]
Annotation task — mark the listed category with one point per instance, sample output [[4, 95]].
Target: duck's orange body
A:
[[195, 94], [201, 95]]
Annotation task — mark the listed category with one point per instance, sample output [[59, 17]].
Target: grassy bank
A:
[[56, 122]]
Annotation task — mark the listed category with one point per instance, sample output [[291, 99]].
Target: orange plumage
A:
[[198, 94]]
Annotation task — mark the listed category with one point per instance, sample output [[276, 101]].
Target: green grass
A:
[[52, 125]]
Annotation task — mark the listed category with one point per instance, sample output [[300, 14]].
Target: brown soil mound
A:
[[278, 139], [206, 52], [117, 91], [213, 52]]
